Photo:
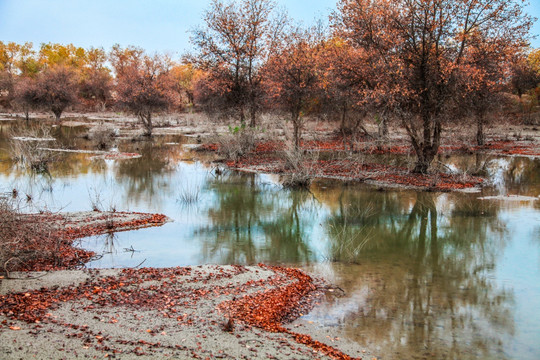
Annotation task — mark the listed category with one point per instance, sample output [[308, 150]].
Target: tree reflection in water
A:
[[286, 234], [249, 224], [420, 286], [147, 179]]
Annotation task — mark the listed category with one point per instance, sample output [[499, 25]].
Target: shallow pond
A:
[[424, 275]]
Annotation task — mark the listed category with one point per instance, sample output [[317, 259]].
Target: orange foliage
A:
[[426, 56]]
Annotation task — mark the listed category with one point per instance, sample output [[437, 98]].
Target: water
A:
[[424, 275]]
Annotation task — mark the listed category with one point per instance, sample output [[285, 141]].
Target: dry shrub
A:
[[237, 143], [301, 167], [23, 239], [28, 147], [103, 136]]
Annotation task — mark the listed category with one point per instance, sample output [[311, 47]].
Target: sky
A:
[[154, 25]]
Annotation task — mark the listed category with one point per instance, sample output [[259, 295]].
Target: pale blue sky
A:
[[155, 25]]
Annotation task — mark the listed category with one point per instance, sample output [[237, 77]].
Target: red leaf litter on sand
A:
[[55, 250], [269, 309], [280, 298]]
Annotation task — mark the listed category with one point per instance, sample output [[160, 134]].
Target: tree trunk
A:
[[422, 165], [242, 116], [383, 128], [427, 149], [149, 126], [252, 110], [480, 139], [382, 133], [343, 118], [146, 120], [252, 115], [343, 127], [190, 98], [57, 115], [296, 130]]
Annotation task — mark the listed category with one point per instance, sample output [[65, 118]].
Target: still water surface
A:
[[425, 275]]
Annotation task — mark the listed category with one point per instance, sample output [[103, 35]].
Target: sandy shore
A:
[[214, 312], [207, 312]]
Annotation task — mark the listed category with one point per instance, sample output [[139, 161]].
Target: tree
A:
[[26, 94], [51, 54], [185, 76], [6, 89], [9, 55], [95, 79], [95, 87], [123, 59], [485, 67], [418, 49], [525, 72], [345, 79], [28, 64], [143, 84], [524, 80], [233, 45], [56, 89], [292, 77], [534, 60]]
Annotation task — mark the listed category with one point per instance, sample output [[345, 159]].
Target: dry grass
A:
[[22, 238], [301, 167], [189, 194], [27, 147], [237, 143]]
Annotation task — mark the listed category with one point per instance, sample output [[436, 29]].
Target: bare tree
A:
[[233, 45]]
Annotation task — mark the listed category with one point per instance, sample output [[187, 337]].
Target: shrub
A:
[[301, 167], [102, 136], [238, 142], [28, 147], [23, 239]]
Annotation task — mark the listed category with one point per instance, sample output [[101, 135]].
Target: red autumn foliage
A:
[[292, 77], [169, 290], [45, 241], [269, 309], [56, 89], [425, 56], [144, 84]]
